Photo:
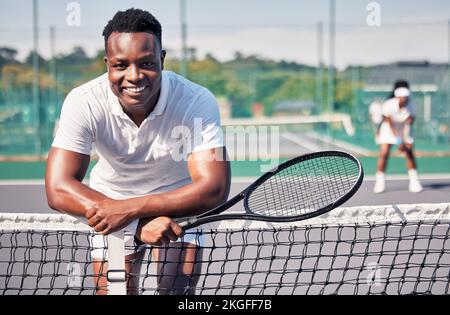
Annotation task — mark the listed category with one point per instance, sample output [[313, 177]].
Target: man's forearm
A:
[[188, 200], [72, 197]]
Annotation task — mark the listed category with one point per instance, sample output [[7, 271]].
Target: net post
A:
[[116, 276], [348, 125]]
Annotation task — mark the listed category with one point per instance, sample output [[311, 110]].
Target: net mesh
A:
[[371, 250], [305, 187]]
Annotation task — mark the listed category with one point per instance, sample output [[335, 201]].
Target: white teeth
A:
[[135, 90]]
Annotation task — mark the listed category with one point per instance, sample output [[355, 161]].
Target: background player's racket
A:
[[298, 189]]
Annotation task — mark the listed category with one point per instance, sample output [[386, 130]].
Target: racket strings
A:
[[305, 187]]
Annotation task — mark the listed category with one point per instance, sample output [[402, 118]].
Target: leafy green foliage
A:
[[244, 80]]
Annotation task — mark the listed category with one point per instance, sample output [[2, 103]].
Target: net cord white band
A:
[[339, 216]]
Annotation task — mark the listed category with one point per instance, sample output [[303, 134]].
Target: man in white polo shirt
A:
[[143, 121]]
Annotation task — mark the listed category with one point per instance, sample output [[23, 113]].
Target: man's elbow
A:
[[218, 194], [54, 193], [219, 198], [52, 201]]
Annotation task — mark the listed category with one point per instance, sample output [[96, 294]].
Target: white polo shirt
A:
[[136, 161]]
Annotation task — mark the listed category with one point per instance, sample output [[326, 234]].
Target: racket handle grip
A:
[[185, 222]]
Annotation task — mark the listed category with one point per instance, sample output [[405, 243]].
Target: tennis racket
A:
[[298, 189]]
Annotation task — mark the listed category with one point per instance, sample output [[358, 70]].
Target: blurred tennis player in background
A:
[[134, 114], [376, 117], [396, 129]]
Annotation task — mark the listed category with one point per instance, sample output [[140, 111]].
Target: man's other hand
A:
[[158, 231]]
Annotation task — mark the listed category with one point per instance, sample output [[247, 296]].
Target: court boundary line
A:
[[356, 149], [301, 142], [244, 179], [25, 182], [392, 177]]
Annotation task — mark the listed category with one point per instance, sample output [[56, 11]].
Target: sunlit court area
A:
[[335, 116]]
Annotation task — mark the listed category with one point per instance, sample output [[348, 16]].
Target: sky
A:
[[278, 30]]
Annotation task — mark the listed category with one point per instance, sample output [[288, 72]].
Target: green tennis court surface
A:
[[397, 165]]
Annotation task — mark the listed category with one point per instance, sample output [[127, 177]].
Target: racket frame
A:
[[214, 214]]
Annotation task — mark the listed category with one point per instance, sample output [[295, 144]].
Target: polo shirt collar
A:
[[116, 108], [163, 95]]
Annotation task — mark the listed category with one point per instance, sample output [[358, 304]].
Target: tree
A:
[[29, 60], [7, 56], [78, 55]]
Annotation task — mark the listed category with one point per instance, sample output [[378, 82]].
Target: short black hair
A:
[[133, 21]]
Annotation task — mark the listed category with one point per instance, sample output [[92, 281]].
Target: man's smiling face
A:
[[135, 63]]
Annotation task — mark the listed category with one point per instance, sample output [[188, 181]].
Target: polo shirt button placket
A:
[[135, 141], [137, 138]]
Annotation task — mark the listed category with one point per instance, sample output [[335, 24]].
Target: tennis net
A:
[[399, 249]]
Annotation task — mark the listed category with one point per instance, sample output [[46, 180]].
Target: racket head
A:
[[304, 187]]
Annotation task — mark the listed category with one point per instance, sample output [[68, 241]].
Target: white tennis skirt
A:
[[386, 136]]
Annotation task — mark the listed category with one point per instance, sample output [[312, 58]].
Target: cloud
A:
[[354, 45], [371, 45], [273, 43]]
